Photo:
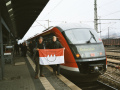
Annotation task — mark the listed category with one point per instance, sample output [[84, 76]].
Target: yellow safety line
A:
[[43, 80], [66, 81]]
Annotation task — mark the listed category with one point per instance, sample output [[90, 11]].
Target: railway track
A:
[[97, 85], [113, 72], [113, 63], [112, 75], [94, 85], [110, 80], [112, 48], [113, 52]]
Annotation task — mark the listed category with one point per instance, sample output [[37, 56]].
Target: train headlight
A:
[[77, 55], [96, 68]]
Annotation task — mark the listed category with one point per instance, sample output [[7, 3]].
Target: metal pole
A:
[[1, 48], [95, 16], [100, 27], [10, 39]]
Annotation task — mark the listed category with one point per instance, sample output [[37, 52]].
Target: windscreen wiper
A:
[[89, 40], [92, 36]]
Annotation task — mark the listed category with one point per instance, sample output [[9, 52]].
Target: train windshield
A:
[[80, 36]]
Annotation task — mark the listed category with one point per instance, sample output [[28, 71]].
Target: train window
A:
[[78, 36]]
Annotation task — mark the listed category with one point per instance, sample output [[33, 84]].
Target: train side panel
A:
[[69, 58]]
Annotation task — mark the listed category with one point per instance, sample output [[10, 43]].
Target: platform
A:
[[20, 76]]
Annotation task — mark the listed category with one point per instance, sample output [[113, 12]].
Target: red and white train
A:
[[84, 50]]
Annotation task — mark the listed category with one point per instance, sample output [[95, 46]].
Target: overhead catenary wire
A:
[[53, 9], [110, 2], [41, 24], [107, 27], [50, 21], [111, 13]]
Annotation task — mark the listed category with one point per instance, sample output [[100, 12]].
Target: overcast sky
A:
[[78, 11]]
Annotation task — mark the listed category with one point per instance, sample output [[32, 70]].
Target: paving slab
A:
[[20, 76]]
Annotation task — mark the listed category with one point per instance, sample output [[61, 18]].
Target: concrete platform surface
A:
[[20, 76]]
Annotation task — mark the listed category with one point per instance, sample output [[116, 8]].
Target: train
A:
[[84, 51], [111, 42]]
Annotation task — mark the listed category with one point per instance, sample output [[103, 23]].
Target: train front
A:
[[87, 49]]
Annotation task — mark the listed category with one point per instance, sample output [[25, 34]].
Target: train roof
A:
[[68, 26], [65, 26]]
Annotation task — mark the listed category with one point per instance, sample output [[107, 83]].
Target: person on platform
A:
[[31, 48], [20, 49], [55, 45], [24, 49], [16, 48], [40, 45]]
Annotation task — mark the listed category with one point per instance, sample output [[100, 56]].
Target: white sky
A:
[[78, 11]]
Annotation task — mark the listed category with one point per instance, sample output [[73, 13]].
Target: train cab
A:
[[84, 50], [86, 47]]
